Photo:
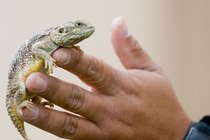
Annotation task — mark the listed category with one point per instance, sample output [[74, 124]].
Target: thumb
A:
[[127, 48]]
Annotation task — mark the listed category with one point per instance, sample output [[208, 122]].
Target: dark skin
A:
[[137, 103]]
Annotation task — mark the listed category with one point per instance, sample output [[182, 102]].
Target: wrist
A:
[[177, 130], [182, 128]]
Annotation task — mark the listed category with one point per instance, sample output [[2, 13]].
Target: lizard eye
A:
[[62, 30]]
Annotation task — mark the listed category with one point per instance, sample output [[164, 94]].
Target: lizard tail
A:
[[19, 124]]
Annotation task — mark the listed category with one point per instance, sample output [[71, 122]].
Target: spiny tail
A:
[[19, 124]]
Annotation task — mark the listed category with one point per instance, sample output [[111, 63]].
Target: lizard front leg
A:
[[42, 50]]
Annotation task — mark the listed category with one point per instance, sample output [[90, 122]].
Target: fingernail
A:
[[36, 83], [119, 22], [29, 114], [61, 56]]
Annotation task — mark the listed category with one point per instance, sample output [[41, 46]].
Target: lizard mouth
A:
[[88, 31], [81, 35]]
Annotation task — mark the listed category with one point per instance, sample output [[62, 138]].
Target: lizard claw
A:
[[46, 103], [78, 48], [49, 64], [25, 104]]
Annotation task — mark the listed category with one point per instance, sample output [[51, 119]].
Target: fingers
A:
[[66, 95], [130, 53], [90, 70], [60, 123]]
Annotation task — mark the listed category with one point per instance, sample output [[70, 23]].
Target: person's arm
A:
[[137, 103]]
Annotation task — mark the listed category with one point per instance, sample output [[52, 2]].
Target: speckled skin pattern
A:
[[35, 55]]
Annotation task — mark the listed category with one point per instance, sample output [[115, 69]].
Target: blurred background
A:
[[175, 33]]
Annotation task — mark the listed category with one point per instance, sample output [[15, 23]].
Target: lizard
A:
[[35, 56]]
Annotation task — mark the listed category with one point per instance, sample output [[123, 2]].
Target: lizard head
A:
[[71, 33]]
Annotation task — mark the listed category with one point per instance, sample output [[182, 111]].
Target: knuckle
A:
[[76, 99], [94, 73], [70, 126], [132, 41], [115, 114], [99, 74], [40, 116], [74, 60], [136, 50], [92, 69], [53, 89]]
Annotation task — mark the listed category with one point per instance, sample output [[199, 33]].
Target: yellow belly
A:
[[37, 66]]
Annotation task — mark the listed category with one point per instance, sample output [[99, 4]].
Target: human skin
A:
[[137, 103]]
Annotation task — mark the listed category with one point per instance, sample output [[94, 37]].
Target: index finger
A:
[[89, 69]]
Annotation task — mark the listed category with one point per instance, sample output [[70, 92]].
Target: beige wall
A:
[[175, 33]]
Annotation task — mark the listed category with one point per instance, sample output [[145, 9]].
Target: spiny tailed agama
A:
[[35, 55]]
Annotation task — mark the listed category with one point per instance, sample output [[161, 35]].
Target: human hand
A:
[[137, 103]]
